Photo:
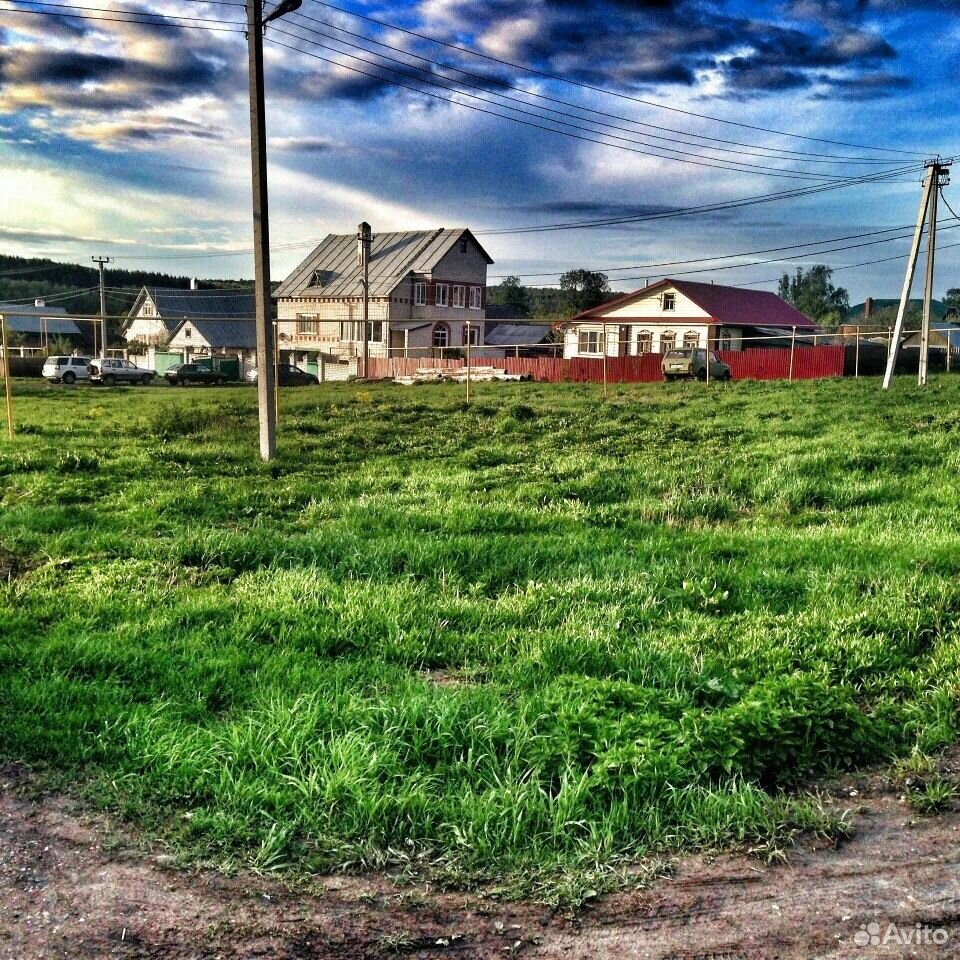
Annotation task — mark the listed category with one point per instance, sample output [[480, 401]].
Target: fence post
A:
[[604, 361], [856, 355], [6, 375], [707, 355], [276, 370], [467, 328], [793, 346]]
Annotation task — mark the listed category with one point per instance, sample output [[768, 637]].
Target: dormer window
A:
[[320, 278]]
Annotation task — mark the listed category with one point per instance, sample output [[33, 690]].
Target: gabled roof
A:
[[222, 334], [393, 256], [174, 304], [731, 306], [50, 320]]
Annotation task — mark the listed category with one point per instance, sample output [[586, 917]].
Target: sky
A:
[[132, 139]]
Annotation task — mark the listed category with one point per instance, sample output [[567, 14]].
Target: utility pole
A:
[[8, 392], [364, 238], [266, 377], [938, 175], [100, 261]]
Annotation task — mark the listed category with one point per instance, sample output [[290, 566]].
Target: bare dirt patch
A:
[[71, 885]]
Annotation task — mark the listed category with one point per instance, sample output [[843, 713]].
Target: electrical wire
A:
[[484, 85], [613, 93], [83, 16], [947, 204], [741, 168]]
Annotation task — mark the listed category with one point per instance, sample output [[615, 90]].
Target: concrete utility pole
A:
[[364, 239], [266, 377], [100, 261], [938, 175]]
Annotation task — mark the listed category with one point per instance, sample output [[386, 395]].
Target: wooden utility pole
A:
[[266, 374], [100, 261], [937, 176], [364, 236]]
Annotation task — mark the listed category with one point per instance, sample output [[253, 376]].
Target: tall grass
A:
[[660, 615]]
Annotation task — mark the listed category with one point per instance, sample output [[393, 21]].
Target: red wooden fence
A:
[[809, 363]]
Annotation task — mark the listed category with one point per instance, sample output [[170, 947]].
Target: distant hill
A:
[[884, 312], [546, 303], [29, 278]]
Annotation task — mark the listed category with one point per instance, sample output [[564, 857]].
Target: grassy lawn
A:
[[526, 638]]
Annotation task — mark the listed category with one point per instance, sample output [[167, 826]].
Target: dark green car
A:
[[184, 373]]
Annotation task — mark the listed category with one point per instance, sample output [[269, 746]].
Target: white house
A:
[[427, 296], [681, 313]]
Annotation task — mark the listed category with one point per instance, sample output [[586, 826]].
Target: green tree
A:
[[511, 293], [812, 292], [583, 289], [952, 298]]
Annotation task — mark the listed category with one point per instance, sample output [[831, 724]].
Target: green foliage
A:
[[583, 289], [531, 637], [813, 294], [510, 293], [932, 796], [952, 297]]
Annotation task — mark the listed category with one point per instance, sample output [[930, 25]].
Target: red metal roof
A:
[[730, 306]]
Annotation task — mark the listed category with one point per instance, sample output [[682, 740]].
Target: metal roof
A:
[[175, 304], [516, 334], [729, 306], [222, 334], [392, 257], [50, 320]]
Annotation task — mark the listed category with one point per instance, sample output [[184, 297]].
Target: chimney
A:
[[193, 283], [364, 239], [868, 308]]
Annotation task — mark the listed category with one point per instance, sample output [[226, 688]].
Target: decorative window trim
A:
[[691, 340], [668, 341], [644, 342]]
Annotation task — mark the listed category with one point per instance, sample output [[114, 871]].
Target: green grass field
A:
[[529, 638]]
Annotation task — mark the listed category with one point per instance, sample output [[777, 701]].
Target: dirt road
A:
[[72, 886]]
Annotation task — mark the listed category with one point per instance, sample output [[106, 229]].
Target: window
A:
[[474, 333], [306, 326], [669, 301], [589, 342], [419, 294], [476, 298], [726, 340], [459, 297], [644, 342], [691, 339], [668, 340], [188, 333], [441, 335], [376, 333], [442, 297], [147, 310], [463, 246]]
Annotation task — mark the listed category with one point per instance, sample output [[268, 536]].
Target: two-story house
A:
[[427, 296]]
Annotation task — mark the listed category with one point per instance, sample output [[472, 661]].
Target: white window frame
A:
[[476, 298], [691, 340], [443, 328], [586, 340], [474, 332], [669, 303], [445, 300], [420, 294], [672, 337], [459, 297], [644, 342]]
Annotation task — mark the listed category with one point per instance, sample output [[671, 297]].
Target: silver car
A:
[[66, 369], [111, 370]]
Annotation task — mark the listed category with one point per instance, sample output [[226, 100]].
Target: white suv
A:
[[110, 370], [66, 369]]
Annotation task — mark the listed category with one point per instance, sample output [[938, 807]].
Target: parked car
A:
[[111, 370], [289, 376], [184, 373], [66, 369], [692, 362]]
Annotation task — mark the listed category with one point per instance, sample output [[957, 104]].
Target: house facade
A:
[[673, 314], [427, 297], [170, 325]]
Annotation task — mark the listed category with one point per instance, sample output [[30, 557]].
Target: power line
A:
[[742, 168], [608, 92], [729, 256], [83, 16], [770, 152]]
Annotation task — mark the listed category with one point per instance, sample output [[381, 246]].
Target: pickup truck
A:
[[692, 362]]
